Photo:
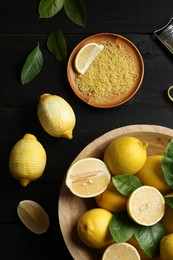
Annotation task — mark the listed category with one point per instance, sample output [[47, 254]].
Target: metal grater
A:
[[165, 35]]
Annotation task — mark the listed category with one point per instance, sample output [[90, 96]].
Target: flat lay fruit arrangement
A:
[[99, 195], [132, 198]]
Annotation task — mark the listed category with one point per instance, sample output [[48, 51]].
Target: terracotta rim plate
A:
[[129, 47], [71, 207]]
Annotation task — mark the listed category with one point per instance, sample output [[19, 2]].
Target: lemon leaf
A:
[[75, 11], [57, 45], [126, 183], [167, 163], [32, 66], [149, 238], [169, 201], [48, 8], [121, 226]]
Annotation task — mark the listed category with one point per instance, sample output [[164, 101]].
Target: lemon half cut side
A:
[[121, 251], [146, 205], [86, 55], [88, 177]]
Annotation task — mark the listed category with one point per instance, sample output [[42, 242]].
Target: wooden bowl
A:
[[133, 52], [71, 207]]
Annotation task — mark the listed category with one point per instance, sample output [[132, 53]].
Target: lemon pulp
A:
[[146, 205], [121, 251], [86, 55], [88, 177]]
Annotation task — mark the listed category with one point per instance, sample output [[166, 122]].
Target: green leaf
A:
[[149, 238], [32, 66], [57, 45], [126, 183], [167, 163], [48, 8], [121, 226], [75, 11], [169, 201]]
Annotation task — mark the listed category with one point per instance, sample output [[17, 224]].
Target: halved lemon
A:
[[88, 177], [146, 205], [121, 251], [86, 55]]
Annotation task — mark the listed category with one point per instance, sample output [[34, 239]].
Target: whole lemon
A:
[[93, 228], [111, 199], [56, 116], [125, 155], [167, 219], [151, 173], [27, 159], [166, 247]]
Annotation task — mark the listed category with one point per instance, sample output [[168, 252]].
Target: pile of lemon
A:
[[93, 177]]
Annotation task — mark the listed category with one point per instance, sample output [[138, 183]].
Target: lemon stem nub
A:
[[145, 144], [68, 134], [24, 182]]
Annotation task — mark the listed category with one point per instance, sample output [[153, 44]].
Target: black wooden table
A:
[[20, 30]]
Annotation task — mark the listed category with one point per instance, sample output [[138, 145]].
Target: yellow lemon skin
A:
[[166, 247], [27, 159], [93, 228], [111, 199], [125, 155], [167, 219], [56, 116], [151, 174]]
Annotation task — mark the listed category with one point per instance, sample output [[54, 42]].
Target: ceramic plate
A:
[[133, 52], [71, 207]]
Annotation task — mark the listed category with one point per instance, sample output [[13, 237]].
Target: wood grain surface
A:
[[72, 207], [20, 31]]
